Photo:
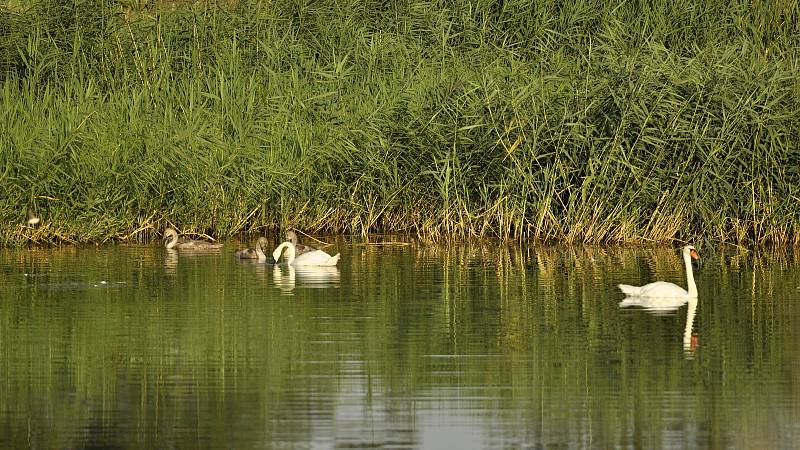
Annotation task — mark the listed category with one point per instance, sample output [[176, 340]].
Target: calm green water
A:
[[408, 346]]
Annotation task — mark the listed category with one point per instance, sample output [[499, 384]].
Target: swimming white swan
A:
[[666, 292], [299, 248], [257, 253], [173, 242], [312, 258]]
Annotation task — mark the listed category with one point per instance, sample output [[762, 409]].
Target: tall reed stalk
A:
[[574, 121]]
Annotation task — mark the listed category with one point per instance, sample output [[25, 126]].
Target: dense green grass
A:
[[575, 121]]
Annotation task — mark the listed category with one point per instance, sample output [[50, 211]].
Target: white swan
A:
[[312, 258], [173, 242], [661, 292], [257, 253]]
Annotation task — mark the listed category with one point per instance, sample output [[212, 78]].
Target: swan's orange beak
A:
[[694, 254]]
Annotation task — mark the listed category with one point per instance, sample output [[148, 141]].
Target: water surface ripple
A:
[[402, 346]]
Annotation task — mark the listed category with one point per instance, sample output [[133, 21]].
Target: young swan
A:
[[299, 248], [173, 242], [257, 253], [666, 290], [312, 258]]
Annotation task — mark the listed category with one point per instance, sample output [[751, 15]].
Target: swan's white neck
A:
[[691, 287], [260, 251], [290, 252]]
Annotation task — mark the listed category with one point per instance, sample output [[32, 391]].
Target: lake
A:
[[403, 345]]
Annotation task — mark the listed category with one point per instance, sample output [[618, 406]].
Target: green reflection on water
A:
[[407, 346]]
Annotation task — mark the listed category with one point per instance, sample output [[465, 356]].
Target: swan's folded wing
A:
[[662, 289]]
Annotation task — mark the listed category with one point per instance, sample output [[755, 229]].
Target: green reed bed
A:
[[571, 121]]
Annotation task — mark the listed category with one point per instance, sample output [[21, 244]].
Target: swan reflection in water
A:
[[287, 277], [665, 306], [171, 261]]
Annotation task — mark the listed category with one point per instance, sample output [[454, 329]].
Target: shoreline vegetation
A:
[[581, 122]]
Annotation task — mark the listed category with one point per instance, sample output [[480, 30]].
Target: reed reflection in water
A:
[[468, 346]]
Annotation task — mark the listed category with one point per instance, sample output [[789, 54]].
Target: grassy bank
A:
[[572, 121]]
